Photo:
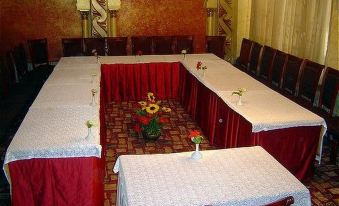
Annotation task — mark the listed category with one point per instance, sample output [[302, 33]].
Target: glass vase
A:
[[196, 154]]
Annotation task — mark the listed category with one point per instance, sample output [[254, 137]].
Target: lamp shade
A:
[[211, 4], [114, 4], [83, 5]]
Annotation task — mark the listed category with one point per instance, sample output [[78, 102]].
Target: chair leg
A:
[[334, 149]]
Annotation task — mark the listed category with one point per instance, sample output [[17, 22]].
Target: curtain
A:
[[332, 58], [298, 27]]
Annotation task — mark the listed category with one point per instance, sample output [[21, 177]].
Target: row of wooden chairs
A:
[[308, 83], [15, 69], [117, 46]]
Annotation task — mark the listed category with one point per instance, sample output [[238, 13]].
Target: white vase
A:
[[239, 101], [89, 134], [196, 154]]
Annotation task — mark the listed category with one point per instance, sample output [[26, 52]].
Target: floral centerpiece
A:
[[184, 52], [197, 138], [201, 67], [240, 92], [95, 53], [89, 124], [149, 117]]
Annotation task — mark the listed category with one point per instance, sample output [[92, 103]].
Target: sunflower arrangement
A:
[[148, 116]]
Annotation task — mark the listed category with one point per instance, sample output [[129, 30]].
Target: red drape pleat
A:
[[60, 181], [126, 82]]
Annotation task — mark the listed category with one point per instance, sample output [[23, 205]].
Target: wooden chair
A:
[[245, 54], [184, 42], [283, 202], [255, 57], [291, 74], [20, 61], [72, 47], [4, 78], [328, 96], [141, 44], [216, 45], [116, 46], [329, 90], [309, 82], [38, 50], [97, 44], [266, 64], [279, 63], [163, 44]]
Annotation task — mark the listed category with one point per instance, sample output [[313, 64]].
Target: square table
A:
[[238, 176]]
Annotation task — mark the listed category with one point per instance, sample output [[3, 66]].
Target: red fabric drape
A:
[[60, 181], [126, 82]]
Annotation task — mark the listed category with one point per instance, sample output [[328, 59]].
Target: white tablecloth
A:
[[239, 176], [68, 92]]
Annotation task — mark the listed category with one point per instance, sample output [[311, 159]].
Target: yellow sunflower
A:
[[142, 103], [151, 96], [166, 109], [152, 108]]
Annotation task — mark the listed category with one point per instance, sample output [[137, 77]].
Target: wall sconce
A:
[[113, 7], [83, 6]]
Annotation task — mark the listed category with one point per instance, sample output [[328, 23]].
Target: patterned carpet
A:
[[121, 139]]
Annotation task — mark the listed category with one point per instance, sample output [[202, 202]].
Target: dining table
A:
[[51, 161], [236, 176]]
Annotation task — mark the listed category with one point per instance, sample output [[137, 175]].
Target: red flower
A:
[[163, 120], [139, 52], [144, 120], [199, 65], [137, 128], [194, 133]]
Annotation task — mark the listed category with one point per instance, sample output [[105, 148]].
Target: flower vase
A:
[[151, 137], [196, 154], [239, 101], [202, 72], [184, 56], [89, 134]]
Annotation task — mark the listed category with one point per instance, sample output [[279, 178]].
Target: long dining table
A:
[[50, 160]]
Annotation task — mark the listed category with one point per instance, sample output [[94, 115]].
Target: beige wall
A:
[[55, 19]]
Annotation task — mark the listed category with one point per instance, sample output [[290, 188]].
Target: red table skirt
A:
[[60, 181], [79, 181]]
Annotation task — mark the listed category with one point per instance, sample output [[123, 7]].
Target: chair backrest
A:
[[97, 44], [116, 46], [4, 78], [283, 202], [163, 44], [38, 50], [255, 57], [291, 74], [216, 45], [72, 47], [141, 44], [279, 63], [20, 61], [184, 43], [10, 67], [245, 53], [309, 81], [329, 90], [266, 64]]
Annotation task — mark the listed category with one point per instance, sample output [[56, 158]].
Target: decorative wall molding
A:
[[225, 20], [99, 15]]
